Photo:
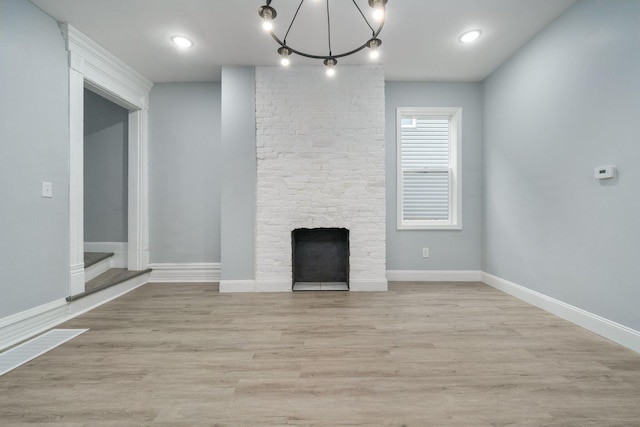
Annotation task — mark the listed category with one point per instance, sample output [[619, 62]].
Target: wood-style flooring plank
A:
[[440, 354]]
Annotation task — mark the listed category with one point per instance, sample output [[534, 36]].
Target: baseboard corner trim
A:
[[185, 272], [620, 334], [434, 275]]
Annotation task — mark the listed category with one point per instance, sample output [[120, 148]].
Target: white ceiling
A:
[[420, 37]]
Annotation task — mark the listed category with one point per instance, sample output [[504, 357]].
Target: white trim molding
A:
[[434, 275], [104, 71], [286, 286], [92, 301], [454, 168], [138, 195], [613, 331], [25, 324], [185, 272], [94, 68], [76, 182]]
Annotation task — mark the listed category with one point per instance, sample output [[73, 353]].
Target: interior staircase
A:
[[101, 275]]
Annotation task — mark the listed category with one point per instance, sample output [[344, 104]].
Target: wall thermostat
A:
[[604, 172]]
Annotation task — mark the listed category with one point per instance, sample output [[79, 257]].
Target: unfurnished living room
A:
[[320, 212]]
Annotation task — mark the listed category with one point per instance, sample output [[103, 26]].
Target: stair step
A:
[[91, 258], [96, 263], [112, 277]]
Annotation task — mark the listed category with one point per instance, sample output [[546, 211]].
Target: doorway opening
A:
[[91, 67], [105, 173]]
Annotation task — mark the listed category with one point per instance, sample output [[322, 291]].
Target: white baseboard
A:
[[254, 286], [285, 286], [92, 301], [120, 251], [368, 285], [23, 325], [26, 324], [613, 331], [434, 275], [185, 272]]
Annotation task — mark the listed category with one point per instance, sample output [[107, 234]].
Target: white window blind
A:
[[427, 162], [425, 169]]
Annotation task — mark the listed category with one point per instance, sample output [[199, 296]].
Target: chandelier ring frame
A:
[[331, 55]]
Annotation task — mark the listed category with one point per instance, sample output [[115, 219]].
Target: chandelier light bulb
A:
[[331, 64], [373, 44], [378, 13], [268, 14], [378, 8], [284, 53]]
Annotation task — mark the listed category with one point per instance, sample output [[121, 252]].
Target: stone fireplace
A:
[[320, 165]]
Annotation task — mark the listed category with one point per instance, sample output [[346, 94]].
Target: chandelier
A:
[[268, 14]]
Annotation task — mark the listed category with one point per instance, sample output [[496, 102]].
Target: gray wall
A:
[[34, 135], [238, 173], [184, 172], [567, 102], [105, 170], [448, 249]]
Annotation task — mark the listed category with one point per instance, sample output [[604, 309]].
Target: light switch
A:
[[47, 189]]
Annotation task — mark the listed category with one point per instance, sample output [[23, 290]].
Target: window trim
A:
[[454, 114]]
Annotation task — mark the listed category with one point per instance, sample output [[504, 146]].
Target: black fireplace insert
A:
[[320, 256]]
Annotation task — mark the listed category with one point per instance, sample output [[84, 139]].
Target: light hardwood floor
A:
[[436, 354]]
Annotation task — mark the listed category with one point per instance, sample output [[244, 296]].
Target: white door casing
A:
[[92, 67]]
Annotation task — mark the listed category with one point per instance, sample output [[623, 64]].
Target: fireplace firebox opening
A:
[[320, 258]]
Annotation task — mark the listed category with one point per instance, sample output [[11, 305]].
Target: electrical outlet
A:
[[425, 252]]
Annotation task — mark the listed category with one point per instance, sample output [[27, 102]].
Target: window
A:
[[429, 168], [408, 122]]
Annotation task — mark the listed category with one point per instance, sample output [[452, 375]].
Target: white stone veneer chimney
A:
[[320, 163]]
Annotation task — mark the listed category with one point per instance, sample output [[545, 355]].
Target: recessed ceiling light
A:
[[181, 41], [470, 36]]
